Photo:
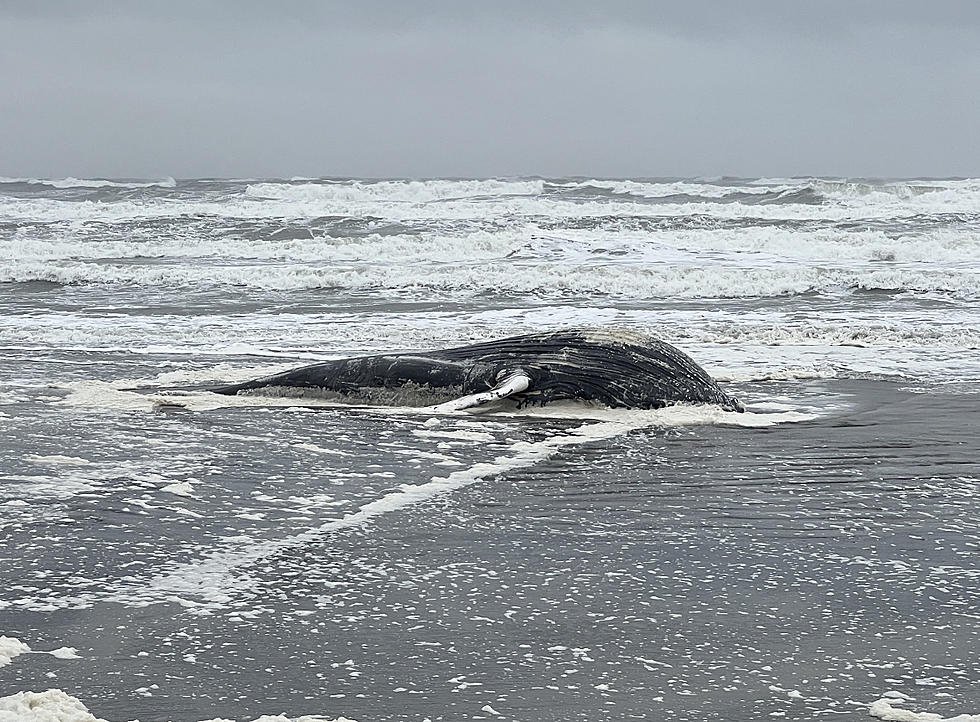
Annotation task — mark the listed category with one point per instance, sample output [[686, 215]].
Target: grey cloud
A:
[[465, 88]]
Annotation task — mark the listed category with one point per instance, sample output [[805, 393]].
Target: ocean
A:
[[817, 557]]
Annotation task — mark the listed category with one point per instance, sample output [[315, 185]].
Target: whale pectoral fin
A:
[[733, 404], [515, 383]]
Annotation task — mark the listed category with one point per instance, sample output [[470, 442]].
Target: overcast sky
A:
[[460, 88]]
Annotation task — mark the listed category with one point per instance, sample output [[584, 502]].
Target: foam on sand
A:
[[215, 580], [883, 709], [52, 705], [55, 705], [11, 647]]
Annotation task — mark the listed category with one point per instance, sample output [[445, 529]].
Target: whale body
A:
[[620, 369]]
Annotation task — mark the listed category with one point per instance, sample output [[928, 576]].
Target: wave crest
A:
[[544, 280], [70, 182], [401, 191]]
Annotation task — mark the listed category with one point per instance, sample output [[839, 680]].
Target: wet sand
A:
[[796, 571]]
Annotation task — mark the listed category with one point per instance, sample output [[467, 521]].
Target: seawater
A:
[[812, 268], [185, 556]]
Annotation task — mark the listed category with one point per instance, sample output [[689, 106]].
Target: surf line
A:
[[218, 579]]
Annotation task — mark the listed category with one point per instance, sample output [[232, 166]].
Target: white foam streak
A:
[[216, 579]]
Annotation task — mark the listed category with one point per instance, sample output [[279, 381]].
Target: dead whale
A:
[[620, 369]]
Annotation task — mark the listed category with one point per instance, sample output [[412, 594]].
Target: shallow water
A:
[[244, 556]]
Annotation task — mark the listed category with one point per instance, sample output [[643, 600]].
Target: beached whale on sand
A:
[[620, 369]]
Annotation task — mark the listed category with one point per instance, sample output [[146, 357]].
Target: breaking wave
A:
[[543, 279], [752, 246], [802, 200], [90, 183], [402, 191]]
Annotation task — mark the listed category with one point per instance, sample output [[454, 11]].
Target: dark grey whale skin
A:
[[620, 369]]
